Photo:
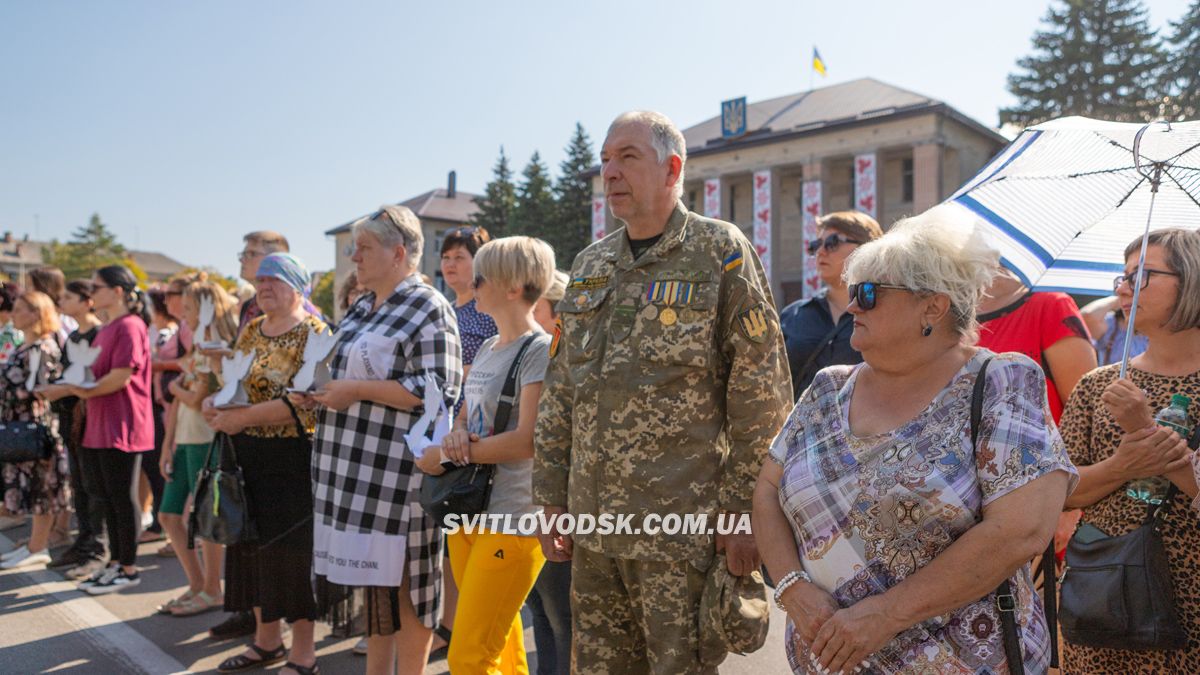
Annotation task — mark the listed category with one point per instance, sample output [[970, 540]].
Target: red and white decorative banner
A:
[[712, 198], [599, 217], [762, 218], [865, 195], [810, 206]]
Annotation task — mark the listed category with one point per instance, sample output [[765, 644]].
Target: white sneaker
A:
[[18, 552], [115, 582], [35, 558], [98, 576], [147, 519], [360, 647]]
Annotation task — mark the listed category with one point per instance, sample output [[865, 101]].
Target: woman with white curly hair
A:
[[888, 527]]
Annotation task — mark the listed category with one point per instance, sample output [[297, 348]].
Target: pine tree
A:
[[535, 202], [1097, 58], [573, 194], [91, 247], [499, 201], [1181, 77]]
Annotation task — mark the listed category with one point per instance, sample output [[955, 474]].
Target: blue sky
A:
[[186, 125]]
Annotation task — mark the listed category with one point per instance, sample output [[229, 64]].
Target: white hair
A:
[[394, 225], [665, 138], [939, 251]]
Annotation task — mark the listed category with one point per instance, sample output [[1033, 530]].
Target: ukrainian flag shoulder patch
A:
[[732, 262]]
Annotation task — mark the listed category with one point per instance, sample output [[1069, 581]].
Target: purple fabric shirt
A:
[[123, 419]]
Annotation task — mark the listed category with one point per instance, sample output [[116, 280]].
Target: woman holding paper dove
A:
[[397, 347], [272, 576], [120, 424], [510, 276], [38, 487]]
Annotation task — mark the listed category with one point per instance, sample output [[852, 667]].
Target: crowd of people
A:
[[906, 443]]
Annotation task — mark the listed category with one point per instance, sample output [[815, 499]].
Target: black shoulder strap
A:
[[802, 373], [508, 394], [1006, 602]]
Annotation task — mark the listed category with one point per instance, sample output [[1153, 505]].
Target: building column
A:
[[927, 176]]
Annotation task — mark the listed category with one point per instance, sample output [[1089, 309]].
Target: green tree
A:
[[1181, 76], [322, 293], [91, 247], [499, 200], [535, 211], [1097, 58], [573, 196]]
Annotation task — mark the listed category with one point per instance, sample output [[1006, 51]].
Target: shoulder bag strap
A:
[[509, 394], [1006, 602], [802, 373]]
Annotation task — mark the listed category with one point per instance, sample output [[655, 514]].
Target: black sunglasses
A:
[[831, 243], [865, 294]]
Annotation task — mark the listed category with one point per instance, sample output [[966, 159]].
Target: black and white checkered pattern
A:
[[364, 477]]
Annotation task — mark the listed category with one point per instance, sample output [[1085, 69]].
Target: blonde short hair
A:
[[395, 225], [522, 262], [43, 306], [937, 252], [1182, 247], [557, 289]]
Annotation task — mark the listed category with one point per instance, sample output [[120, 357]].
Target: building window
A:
[[853, 187], [733, 203], [906, 180], [691, 200]]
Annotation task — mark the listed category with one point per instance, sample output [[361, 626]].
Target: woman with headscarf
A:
[[271, 438]]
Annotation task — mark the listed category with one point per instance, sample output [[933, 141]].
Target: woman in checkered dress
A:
[[399, 338]]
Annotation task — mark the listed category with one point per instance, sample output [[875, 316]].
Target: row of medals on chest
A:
[[668, 316]]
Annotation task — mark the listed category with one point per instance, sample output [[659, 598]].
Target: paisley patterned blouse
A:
[[276, 361], [868, 512]]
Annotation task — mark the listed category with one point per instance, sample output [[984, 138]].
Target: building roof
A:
[[853, 102], [432, 205], [157, 265]]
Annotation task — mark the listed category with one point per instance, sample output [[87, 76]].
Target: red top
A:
[[1042, 320], [123, 419]]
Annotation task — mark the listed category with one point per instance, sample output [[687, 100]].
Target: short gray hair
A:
[[939, 252], [1182, 247], [665, 138], [394, 225]]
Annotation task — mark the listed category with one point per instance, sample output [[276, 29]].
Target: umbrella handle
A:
[[1156, 177]]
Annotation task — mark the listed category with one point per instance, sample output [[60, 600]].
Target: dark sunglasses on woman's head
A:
[[865, 294], [1145, 278], [831, 243]]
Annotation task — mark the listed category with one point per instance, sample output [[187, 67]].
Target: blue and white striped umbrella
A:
[[1066, 197]]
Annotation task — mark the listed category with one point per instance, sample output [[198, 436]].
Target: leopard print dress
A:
[[1092, 435]]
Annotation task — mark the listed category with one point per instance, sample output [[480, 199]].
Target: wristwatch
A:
[[784, 583]]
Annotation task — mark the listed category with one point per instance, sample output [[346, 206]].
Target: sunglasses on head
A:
[[831, 243], [865, 294]]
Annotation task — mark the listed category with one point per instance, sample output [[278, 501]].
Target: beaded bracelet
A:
[[784, 583]]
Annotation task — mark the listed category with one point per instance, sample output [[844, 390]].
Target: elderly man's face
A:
[[634, 180]]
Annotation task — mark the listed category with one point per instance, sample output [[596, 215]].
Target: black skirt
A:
[[275, 572]]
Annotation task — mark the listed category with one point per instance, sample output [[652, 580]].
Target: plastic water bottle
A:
[[1175, 417]]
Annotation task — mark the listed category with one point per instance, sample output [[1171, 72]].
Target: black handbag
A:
[[466, 490], [220, 509], [24, 442], [1117, 591]]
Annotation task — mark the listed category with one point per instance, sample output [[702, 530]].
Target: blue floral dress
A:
[[868, 512]]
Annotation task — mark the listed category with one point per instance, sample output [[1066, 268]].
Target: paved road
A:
[[47, 626]]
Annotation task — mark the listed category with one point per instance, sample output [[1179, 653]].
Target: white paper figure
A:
[[81, 355], [35, 364], [233, 369], [207, 312], [435, 416], [314, 370]]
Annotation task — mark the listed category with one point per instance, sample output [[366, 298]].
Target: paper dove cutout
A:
[[207, 312], [35, 364], [435, 416], [314, 370], [81, 355], [233, 369]]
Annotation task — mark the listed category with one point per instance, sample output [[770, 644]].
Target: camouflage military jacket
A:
[[667, 383]]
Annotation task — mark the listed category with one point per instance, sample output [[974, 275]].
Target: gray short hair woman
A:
[[886, 530]]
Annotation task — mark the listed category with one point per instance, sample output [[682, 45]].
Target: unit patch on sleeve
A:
[[753, 323]]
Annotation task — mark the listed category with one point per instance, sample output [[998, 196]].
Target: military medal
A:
[[667, 317]]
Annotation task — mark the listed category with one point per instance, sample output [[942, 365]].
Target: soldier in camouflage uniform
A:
[[668, 380]]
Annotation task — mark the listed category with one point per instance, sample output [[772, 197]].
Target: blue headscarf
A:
[[288, 269]]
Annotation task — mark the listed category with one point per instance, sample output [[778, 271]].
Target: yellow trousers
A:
[[494, 573]]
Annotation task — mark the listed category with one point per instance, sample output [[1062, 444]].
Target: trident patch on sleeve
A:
[[557, 337], [754, 323]]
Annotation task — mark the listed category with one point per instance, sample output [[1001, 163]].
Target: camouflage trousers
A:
[[635, 617]]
